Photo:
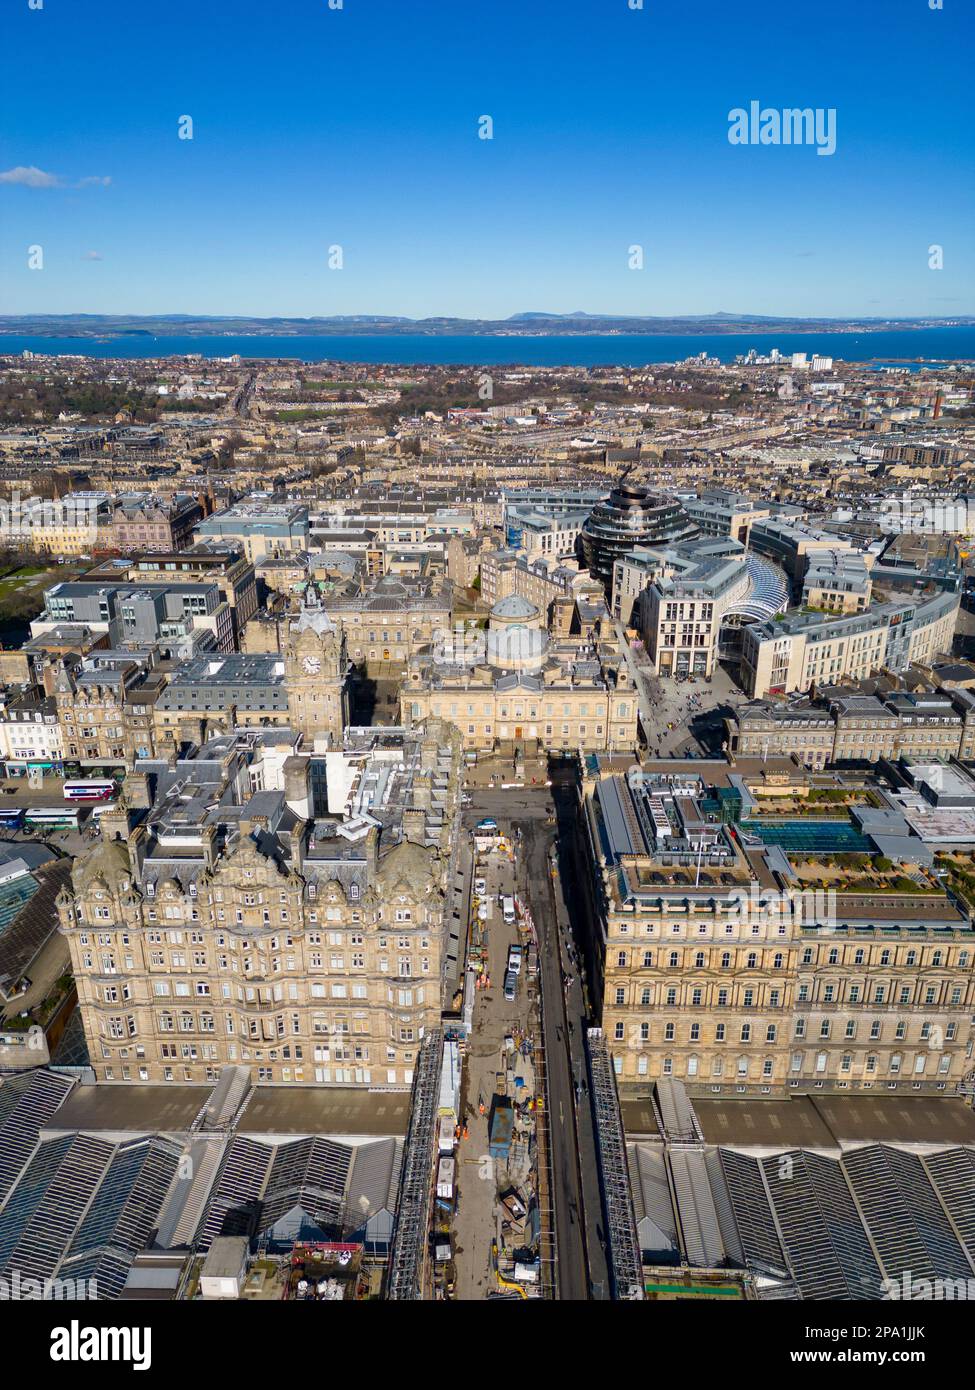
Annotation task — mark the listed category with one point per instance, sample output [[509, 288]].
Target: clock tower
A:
[[315, 672]]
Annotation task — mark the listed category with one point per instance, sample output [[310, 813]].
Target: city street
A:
[[582, 1271], [578, 1208], [480, 1179]]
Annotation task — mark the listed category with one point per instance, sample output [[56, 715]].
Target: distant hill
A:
[[533, 323]]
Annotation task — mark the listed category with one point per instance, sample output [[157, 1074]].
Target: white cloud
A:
[[29, 176], [93, 256]]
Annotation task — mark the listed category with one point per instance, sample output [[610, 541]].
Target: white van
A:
[[508, 910], [514, 960]]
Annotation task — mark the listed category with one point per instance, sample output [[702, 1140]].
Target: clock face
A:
[[312, 665]]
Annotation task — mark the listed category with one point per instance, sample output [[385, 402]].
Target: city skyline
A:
[[360, 129]]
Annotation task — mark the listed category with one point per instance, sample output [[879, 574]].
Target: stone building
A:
[[801, 650], [464, 558], [304, 687], [515, 686], [90, 697], [316, 672], [720, 971], [844, 725], [392, 618], [153, 524], [216, 924]]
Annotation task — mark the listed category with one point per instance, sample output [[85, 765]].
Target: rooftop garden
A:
[[863, 873], [960, 879], [42, 1013], [818, 801]]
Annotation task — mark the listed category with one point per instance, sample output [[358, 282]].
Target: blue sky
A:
[[358, 127]]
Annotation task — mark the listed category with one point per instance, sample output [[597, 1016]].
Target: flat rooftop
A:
[[834, 1121], [639, 1118], [717, 772], [142, 1109], [332, 1110]]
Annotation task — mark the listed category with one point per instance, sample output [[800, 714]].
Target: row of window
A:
[[644, 1031], [819, 994], [340, 1076], [679, 958], [260, 967], [122, 1027], [701, 996], [744, 1068], [231, 943]]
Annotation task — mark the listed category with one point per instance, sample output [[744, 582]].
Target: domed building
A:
[[631, 516], [516, 639]]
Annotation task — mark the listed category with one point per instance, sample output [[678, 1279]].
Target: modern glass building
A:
[[631, 516]]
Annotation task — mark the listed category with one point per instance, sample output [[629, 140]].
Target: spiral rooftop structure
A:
[[631, 516]]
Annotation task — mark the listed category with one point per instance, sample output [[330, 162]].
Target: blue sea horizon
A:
[[899, 346]]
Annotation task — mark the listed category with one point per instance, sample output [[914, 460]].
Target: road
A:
[[570, 1242], [582, 1271], [241, 403], [477, 1219], [560, 908]]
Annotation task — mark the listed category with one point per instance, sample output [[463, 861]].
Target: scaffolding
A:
[[547, 1252], [408, 1252], [626, 1268]]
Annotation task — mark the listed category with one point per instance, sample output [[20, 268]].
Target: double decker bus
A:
[[89, 790]]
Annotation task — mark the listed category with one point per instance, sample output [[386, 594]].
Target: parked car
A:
[[510, 985]]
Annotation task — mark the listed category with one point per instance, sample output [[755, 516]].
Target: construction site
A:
[[487, 1233]]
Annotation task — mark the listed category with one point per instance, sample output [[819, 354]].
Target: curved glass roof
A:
[[767, 595]]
